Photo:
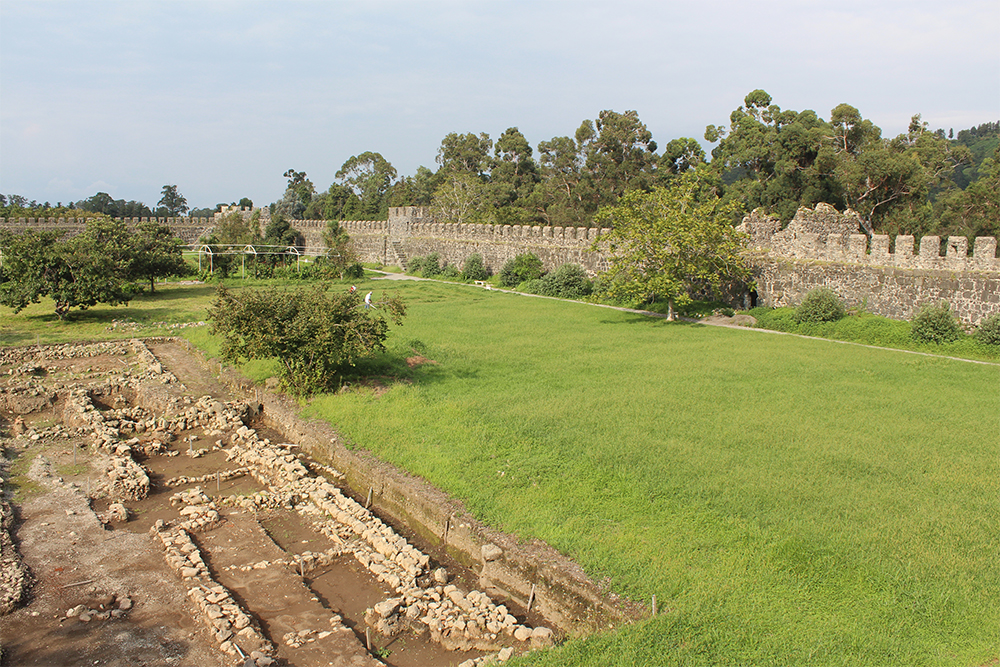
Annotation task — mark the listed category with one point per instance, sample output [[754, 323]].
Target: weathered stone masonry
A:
[[893, 277], [819, 248]]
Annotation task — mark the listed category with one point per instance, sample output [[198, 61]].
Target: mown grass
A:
[[869, 329], [788, 501]]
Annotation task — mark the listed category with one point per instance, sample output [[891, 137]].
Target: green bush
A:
[[988, 332], [450, 272], [432, 265], [821, 305], [935, 324], [354, 272], [474, 269], [415, 265], [534, 286], [524, 267], [569, 281]]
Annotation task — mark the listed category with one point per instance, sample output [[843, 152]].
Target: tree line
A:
[[920, 182]]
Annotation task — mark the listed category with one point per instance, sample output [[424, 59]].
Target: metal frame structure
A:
[[253, 249]]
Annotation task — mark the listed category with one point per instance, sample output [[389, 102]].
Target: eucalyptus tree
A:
[[369, 176]]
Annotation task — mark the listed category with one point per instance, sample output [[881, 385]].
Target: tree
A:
[[462, 198], [679, 156], [770, 158], [298, 195], [671, 242], [565, 195], [975, 211], [155, 253], [621, 155], [339, 253], [465, 153], [315, 334], [369, 176], [172, 203], [81, 272]]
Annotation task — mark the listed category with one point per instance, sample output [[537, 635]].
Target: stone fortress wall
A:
[[820, 247], [887, 276]]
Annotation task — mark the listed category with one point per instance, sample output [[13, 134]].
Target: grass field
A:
[[788, 501]]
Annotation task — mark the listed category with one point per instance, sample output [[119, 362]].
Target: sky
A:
[[221, 98]]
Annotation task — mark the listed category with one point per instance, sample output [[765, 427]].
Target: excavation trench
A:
[[207, 464]]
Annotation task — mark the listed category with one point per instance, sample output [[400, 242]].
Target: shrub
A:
[[569, 281], [821, 305], [524, 267], [450, 272], [474, 269], [534, 286], [989, 330], [935, 324], [432, 265], [415, 265], [354, 271], [316, 335]]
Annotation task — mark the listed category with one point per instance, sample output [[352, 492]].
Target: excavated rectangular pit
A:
[[343, 587]]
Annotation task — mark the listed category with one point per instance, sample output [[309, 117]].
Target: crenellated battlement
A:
[[824, 234]]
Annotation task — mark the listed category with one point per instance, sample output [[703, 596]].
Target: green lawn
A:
[[788, 501]]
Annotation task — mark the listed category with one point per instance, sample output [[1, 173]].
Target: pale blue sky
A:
[[220, 98]]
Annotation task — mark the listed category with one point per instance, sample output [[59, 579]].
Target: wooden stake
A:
[[531, 598], [654, 605], [301, 572], [368, 640], [218, 482], [369, 501]]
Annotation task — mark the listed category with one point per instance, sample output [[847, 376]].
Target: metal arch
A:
[[292, 250], [206, 249]]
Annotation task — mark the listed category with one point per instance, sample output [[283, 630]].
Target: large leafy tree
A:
[[564, 197], [975, 211], [93, 267], [621, 154], [315, 334], [462, 198], [155, 253], [298, 195], [465, 153], [513, 178], [888, 182], [671, 242]]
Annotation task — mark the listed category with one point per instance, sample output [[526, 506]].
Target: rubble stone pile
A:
[[14, 576]]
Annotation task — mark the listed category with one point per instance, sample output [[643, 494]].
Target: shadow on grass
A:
[[652, 319], [173, 292]]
